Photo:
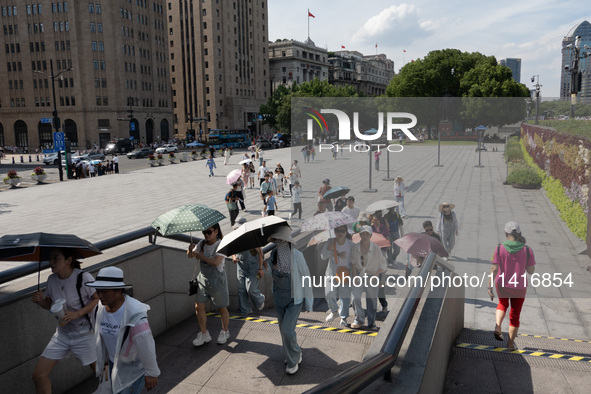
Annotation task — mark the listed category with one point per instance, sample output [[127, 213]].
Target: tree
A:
[[452, 73]]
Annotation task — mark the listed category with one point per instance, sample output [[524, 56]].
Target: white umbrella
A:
[[381, 205], [245, 161], [250, 235]]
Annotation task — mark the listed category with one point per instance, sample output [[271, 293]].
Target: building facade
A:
[[515, 65], [108, 59], [292, 61], [218, 64], [369, 74], [582, 30]]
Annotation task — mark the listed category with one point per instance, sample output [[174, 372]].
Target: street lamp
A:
[[576, 77], [537, 86], [56, 119]]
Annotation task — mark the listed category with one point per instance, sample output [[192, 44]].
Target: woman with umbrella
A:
[[213, 284], [245, 174], [290, 292], [74, 331]]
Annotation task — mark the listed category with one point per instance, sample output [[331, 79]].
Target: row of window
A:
[[100, 82], [37, 46], [96, 27], [98, 46], [14, 66], [94, 8], [62, 45], [13, 29], [15, 84], [58, 7], [13, 48], [61, 26], [102, 100], [9, 11]]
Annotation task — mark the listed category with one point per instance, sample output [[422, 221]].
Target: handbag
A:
[[342, 272], [193, 284], [104, 386]]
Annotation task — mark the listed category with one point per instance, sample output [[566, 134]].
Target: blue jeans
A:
[[287, 315], [343, 294], [371, 295], [248, 286], [136, 387], [401, 209]]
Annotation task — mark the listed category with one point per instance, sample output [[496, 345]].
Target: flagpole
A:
[[308, 23]]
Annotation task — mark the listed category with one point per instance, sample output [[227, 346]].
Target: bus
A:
[[224, 138]]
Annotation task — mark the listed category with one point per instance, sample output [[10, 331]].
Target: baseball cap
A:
[[365, 229], [510, 226]]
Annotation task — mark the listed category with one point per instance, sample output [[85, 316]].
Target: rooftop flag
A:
[[342, 46], [310, 15]]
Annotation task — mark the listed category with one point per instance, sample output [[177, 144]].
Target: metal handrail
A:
[[363, 374], [33, 267]]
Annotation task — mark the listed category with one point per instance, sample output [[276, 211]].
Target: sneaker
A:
[[202, 338], [384, 309], [289, 217], [372, 327], [344, 323], [260, 308], [224, 336], [331, 316], [355, 324], [292, 370]]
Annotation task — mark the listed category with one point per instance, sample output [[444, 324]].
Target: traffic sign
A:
[[47, 151], [46, 120], [59, 141], [260, 117]]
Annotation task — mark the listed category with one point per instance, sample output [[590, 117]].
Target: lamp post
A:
[[56, 119], [575, 75], [537, 85]]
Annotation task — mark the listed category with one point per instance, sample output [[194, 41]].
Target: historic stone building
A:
[[219, 63], [369, 74], [108, 58]]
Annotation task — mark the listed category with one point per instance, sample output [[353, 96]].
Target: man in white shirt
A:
[[352, 210], [261, 172], [116, 163]]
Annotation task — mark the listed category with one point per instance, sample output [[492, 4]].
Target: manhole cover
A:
[[545, 243]]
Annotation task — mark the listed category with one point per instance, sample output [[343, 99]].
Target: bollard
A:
[[37, 157], [12, 159], [30, 161], [22, 160]]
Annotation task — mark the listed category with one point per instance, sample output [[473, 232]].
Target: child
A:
[[271, 204], [211, 164]]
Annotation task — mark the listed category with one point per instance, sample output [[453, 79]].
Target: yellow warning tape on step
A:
[[536, 336], [524, 352], [303, 325]]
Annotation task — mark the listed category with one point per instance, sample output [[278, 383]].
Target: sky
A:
[[530, 30]]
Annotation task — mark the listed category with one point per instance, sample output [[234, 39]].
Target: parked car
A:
[[139, 153], [93, 156], [264, 145], [51, 159], [122, 145], [167, 149], [195, 144]]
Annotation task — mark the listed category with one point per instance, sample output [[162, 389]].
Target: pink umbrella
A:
[[233, 176], [376, 238], [421, 244], [327, 221]]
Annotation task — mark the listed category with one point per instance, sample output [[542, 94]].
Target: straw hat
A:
[[451, 206], [109, 278], [398, 178]]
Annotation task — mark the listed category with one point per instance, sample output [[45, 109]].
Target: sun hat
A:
[[109, 278], [283, 233], [363, 217], [451, 206], [399, 177], [510, 226], [365, 229]]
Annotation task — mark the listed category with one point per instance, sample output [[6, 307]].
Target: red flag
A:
[[376, 44], [342, 46], [404, 50], [310, 15]]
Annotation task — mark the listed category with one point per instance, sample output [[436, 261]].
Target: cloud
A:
[[395, 25]]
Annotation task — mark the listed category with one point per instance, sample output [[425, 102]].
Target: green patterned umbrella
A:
[[186, 218]]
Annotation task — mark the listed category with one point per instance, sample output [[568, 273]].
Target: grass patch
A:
[[576, 127]]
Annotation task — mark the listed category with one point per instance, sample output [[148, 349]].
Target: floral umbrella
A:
[[233, 176], [186, 218], [327, 221], [376, 238]]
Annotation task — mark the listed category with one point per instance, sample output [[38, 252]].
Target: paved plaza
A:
[[102, 207]]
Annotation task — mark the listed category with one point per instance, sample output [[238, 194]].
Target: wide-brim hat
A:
[[109, 278], [363, 217], [283, 233], [451, 206], [399, 177]]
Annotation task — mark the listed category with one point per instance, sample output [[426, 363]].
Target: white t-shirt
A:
[[110, 327], [210, 251], [66, 289], [344, 254], [262, 171]]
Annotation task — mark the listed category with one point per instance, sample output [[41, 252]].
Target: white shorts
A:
[[81, 345]]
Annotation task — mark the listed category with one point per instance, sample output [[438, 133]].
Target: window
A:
[[91, 8], [99, 27], [98, 8], [92, 27]]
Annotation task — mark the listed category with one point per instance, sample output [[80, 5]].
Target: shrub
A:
[[524, 175], [11, 174], [38, 171], [513, 152], [151, 157]]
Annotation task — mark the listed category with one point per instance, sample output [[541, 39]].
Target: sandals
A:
[[512, 348], [498, 334]]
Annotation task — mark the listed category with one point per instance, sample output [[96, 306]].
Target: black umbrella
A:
[[36, 247], [336, 192], [251, 235]]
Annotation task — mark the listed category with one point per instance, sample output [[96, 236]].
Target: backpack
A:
[[78, 287]]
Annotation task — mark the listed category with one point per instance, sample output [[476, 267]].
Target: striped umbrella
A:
[[187, 218]]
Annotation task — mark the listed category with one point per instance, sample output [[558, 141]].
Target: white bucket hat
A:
[[283, 233], [109, 278]]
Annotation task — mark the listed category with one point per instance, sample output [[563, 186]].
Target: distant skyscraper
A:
[[514, 65], [584, 31]]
